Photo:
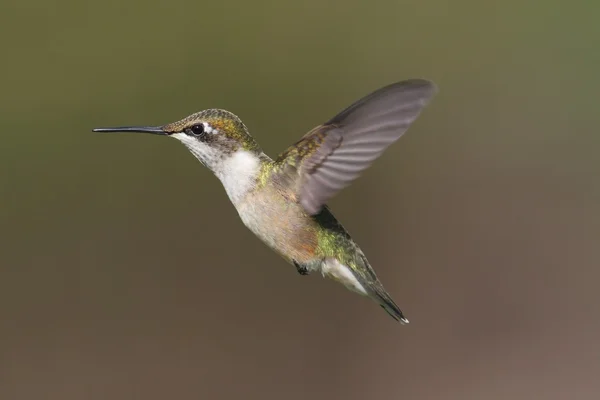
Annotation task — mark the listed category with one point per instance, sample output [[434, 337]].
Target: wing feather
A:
[[337, 152]]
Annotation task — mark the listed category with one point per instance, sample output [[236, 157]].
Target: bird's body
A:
[[282, 201]]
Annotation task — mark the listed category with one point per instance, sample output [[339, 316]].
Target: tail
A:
[[363, 280], [385, 301], [375, 290]]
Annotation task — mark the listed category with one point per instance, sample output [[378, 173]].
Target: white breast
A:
[[238, 174]]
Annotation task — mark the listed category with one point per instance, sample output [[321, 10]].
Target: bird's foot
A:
[[302, 270]]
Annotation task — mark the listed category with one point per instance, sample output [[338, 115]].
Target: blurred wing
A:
[[332, 155]]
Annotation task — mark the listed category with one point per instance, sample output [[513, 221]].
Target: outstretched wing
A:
[[332, 155]]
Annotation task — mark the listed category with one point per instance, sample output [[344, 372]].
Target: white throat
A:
[[237, 172]]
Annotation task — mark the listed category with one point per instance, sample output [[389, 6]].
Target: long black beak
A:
[[155, 130]]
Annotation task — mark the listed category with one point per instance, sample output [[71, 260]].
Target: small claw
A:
[[302, 270]]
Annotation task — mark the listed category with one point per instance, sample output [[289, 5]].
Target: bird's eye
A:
[[197, 130]]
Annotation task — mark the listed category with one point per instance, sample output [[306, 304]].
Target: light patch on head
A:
[[209, 129]]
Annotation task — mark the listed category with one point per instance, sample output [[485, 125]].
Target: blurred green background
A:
[[126, 273]]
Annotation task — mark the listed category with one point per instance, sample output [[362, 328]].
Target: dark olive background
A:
[[126, 273]]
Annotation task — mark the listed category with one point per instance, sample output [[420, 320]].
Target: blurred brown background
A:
[[126, 273]]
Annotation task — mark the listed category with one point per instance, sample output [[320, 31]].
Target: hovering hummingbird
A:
[[283, 200]]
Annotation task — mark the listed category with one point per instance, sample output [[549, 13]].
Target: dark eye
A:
[[197, 130]]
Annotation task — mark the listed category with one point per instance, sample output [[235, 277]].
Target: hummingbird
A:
[[283, 200]]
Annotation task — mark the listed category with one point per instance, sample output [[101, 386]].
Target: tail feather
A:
[[364, 281], [375, 290], [386, 302]]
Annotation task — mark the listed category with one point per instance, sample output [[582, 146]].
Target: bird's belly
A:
[[282, 226]]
